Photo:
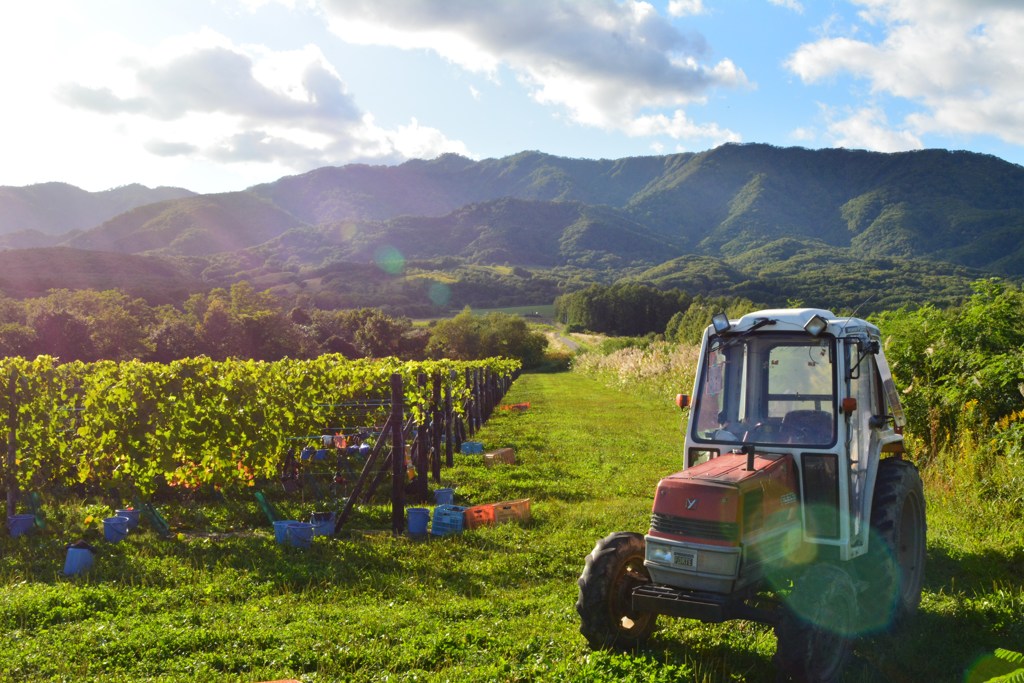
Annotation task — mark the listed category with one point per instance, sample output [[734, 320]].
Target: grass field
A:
[[222, 602]]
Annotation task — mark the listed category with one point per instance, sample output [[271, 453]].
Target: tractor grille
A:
[[694, 528]]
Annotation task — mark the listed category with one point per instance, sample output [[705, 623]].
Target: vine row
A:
[[133, 425]]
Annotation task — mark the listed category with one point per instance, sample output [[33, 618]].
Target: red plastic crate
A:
[[479, 515]]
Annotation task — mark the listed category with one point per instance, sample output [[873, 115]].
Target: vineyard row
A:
[[138, 426]]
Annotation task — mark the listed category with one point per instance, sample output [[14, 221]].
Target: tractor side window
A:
[[866, 387]]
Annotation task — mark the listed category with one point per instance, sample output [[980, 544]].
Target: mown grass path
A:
[[495, 604]]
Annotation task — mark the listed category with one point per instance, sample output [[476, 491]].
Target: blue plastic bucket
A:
[[281, 530], [444, 496], [131, 514], [19, 525], [323, 523], [78, 560], [300, 534], [418, 518], [115, 528]]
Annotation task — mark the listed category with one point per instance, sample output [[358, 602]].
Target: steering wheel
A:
[[758, 431]]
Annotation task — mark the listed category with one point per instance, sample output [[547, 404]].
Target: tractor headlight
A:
[[659, 553]]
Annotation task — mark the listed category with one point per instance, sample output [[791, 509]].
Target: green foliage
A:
[[687, 327], [1003, 666], [191, 422], [468, 336], [962, 369], [626, 309]]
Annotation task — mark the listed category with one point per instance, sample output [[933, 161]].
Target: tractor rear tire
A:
[[893, 567], [605, 604], [816, 625]]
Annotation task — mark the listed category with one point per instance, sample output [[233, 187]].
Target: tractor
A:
[[795, 507]]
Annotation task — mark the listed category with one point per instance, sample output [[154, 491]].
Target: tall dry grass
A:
[[659, 370]]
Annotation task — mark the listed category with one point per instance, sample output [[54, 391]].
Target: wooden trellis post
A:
[[10, 474], [449, 420], [435, 429], [397, 457]]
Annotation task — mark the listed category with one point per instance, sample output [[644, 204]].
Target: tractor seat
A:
[[807, 426]]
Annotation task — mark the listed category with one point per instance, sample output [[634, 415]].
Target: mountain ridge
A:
[[583, 221]]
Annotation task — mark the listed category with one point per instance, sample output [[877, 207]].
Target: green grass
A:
[[545, 311], [223, 602]]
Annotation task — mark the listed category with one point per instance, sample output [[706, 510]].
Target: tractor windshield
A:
[[767, 388]]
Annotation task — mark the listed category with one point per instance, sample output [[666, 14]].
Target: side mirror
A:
[[683, 401], [878, 421]]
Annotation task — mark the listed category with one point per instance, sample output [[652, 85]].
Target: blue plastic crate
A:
[[448, 519], [472, 447]]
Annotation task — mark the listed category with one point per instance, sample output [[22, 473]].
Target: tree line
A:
[[629, 309], [241, 322]]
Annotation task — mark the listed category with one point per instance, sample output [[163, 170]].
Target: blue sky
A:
[[218, 95]]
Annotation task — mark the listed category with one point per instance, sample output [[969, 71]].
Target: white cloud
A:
[[205, 98], [868, 128], [961, 62], [680, 128], [683, 8], [607, 64]]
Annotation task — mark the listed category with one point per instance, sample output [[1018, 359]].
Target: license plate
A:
[[685, 560]]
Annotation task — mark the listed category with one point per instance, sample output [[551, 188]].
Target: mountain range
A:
[[828, 227]]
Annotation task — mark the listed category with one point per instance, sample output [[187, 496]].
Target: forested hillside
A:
[[835, 228]]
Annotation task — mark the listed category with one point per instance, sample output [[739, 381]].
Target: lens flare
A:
[[390, 260], [440, 294]]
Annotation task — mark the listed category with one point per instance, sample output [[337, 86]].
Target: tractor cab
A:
[[798, 390]]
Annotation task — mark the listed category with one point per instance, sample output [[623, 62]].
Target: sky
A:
[[220, 95]]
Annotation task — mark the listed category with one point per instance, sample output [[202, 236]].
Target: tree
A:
[[175, 336], [62, 334], [510, 336], [17, 339], [469, 337], [457, 338], [625, 308]]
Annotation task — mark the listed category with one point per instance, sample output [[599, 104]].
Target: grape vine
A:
[[195, 421]]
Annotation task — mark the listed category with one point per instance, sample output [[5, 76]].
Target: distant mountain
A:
[[32, 272], [193, 226], [960, 207], [58, 208], [750, 220], [503, 231], [442, 185]]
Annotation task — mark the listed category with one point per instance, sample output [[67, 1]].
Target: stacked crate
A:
[[448, 519]]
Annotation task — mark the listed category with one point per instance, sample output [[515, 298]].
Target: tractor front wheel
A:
[[816, 624], [605, 604]]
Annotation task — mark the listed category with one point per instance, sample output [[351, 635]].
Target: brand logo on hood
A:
[[691, 503]]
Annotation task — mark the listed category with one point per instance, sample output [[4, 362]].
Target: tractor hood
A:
[[719, 501]]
